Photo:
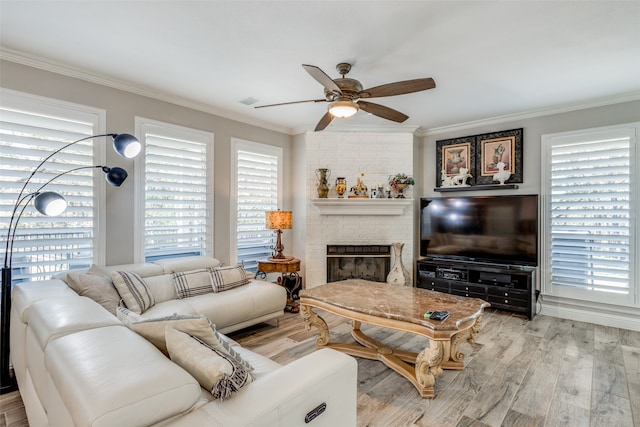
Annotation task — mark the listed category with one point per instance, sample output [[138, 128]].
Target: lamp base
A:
[[8, 388], [281, 259]]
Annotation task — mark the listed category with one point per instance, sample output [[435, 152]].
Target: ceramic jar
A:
[[341, 186]]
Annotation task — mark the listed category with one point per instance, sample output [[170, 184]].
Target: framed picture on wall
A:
[[455, 154], [495, 148]]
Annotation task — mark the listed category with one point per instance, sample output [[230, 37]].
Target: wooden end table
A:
[[289, 269]]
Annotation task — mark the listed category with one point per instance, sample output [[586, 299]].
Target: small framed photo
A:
[[495, 148], [453, 155]]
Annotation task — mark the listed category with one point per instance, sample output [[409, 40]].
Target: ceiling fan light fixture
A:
[[343, 108]]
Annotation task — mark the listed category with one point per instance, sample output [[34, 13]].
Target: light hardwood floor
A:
[[548, 372]]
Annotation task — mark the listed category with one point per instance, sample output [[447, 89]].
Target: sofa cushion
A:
[[153, 330], [193, 283], [237, 305], [97, 285], [133, 290], [172, 265], [215, 370], [110, 376], [225, 278], [56, 317]]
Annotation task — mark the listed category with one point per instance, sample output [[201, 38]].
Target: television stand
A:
[[506, 287]]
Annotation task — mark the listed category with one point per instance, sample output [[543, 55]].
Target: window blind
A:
[[175, 195], [257, 192], [590, 213], [44, 245]]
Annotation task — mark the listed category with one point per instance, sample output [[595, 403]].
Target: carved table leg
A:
[[456, 360], [312, 319], [428, 366]]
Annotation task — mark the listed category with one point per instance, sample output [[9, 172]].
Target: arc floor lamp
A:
[[47, 203]]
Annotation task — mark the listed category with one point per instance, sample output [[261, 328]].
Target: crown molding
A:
[[547, 111], [419, 131], [103, 80]]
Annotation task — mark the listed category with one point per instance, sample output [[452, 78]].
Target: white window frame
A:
[[632, 298], [96, 118], [256, 147], [144, 126]]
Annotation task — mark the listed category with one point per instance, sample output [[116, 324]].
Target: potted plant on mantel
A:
[[399, 182]]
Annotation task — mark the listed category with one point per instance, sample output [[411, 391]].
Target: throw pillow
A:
[[192, 283], [97, 285], [225, 278], [153, 330], [216, 371], [133, 291]]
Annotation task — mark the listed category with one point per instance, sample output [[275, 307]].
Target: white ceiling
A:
[[488, 58]]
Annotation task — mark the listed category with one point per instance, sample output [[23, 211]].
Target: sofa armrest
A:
[[285, 396]]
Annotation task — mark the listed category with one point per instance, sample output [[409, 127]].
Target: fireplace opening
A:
[[368, 262]]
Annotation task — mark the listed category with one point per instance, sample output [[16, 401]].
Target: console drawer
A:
[[434, 285], [508, 301], [506, 292], [468, 290]]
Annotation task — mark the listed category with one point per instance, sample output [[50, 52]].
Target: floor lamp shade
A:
[[279, 220]]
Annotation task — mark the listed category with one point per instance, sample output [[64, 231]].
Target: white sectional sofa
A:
[[77, 364]]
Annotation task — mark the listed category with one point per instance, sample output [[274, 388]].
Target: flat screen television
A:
[[491, 229]]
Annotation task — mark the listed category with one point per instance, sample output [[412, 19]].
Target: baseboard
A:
[[583, 311]]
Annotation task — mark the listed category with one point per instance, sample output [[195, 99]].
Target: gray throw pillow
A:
[[96, 284]]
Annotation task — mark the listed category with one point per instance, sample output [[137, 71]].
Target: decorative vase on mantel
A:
[[323, 175], [398, 275]]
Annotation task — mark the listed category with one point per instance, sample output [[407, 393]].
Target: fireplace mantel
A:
[[362, 206]]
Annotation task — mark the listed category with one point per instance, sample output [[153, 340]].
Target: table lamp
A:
[[279, 220]]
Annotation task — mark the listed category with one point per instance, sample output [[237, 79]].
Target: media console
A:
[[505, 287]]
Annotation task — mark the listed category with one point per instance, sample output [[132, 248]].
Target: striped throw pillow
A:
[[133, 290], [225, 278], [193, 283], [215, 370]]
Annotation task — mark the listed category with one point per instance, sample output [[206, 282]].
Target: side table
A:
[[288, 269]]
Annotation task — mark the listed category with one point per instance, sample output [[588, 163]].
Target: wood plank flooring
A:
[[547, 372]]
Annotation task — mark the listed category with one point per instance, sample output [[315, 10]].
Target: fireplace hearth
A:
[[368, 262]]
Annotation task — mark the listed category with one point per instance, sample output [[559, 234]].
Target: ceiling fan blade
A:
[[398, 88], [324, 122], [292, 102], [322, 78], [382, 111]]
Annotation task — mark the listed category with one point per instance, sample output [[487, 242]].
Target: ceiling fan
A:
[[346, 95]]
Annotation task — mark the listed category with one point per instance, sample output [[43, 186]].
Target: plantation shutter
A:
[[176, 190], [29, 133], [257, 192], [590, 211]]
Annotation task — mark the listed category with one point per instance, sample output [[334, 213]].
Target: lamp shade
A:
[[49, 203], [126, 145], [115, 176], [343, 108], [279, 220]]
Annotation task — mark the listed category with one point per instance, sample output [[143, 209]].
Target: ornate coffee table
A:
[[401, 308]]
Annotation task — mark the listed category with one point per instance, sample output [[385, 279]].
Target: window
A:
[[174, 191], [257, 176], [591, 229], [31, 128]]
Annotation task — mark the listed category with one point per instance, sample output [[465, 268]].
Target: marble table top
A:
[[403, 303]]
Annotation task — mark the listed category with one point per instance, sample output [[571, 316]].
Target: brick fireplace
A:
[[348, 154]]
